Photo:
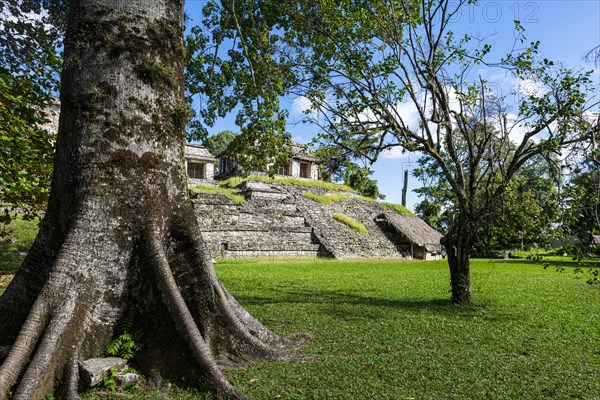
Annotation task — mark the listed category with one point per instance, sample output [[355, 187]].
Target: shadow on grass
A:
[[566, 263], [11, 257], [353, 305]]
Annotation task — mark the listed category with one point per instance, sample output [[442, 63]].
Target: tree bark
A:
[[120, 238], [458, 243]]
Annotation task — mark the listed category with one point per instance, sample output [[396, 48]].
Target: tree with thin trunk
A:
[[392, 74], [119, 238]]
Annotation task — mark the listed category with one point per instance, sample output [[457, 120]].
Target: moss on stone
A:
[[103, 91], [398, 209], [181, 114], [230, 193], [351, 223], [327, 198]]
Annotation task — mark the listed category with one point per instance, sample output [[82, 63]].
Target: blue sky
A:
[[565, 28]]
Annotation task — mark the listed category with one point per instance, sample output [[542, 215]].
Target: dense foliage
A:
[[29, 66], [525, 215], [219, 142]]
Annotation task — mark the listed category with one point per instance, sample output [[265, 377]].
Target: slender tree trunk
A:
[[458, 244], [120, 238]]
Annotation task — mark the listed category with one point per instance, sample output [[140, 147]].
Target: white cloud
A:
[[531, 88], [516, 129], [300, 105], [408, 112]]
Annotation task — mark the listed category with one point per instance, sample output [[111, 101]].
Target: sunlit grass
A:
[[236, 180], [351, 223], [386, 330], [230, 193], [397, 208], [327, 198], [15, 242]]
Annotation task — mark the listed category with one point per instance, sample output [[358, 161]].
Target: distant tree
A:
[[358, 178], [337, 167], [29, 67], [521, 217], [582, 192], [357, 63], [218, 142]]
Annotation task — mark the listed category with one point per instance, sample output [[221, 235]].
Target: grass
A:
[[351, 223], [365, 198], [15, 243], [236, 180], [230, 193], [398, 208], [385, 330], [327, 198]]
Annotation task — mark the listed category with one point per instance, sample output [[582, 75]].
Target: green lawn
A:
[[385, 330]]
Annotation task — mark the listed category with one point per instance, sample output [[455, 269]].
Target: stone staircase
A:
[[258, 227]]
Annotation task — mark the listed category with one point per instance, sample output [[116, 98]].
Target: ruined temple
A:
[[199, 164], [302, 164], [281, 220]]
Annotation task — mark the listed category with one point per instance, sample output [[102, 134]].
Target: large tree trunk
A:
[[458, 243], [120, 238]]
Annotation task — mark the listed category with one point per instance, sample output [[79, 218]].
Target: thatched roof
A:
[[195, 152], [414, 229]]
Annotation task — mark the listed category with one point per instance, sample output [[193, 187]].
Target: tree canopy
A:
[[218, 142]]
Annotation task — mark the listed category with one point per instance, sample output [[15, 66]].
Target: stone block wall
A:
[[259, 227]]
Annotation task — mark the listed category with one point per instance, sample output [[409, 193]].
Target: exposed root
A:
[[73, 376], [23, 347], [247, 338], [22, 292], [39, 377], [48, 343], [84, 296], [185, 323]]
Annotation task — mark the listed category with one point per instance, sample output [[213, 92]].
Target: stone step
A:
[[245, 254], [274, 247], [258, 229]]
